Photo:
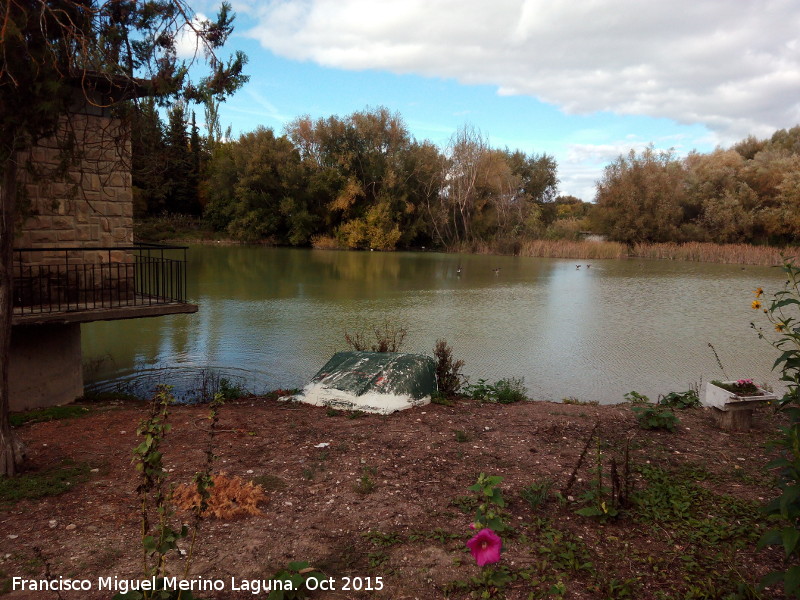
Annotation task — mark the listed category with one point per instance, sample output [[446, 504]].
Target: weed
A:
[[439, 398], [50, 482], [536, 494], [576, 401], [462, 436], [211, 385], [687, 399], [601, 500], [490, 503], [379, 538], [158, 537], [465, 504], [652, 417], [511, 390], [53, 413], [505, 391], [366, 484], [332, 412], [376, 559], [356, 414], [388, 338], [634, 397]]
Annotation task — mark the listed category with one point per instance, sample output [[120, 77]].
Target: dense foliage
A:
[[749, 193], [362, 181]]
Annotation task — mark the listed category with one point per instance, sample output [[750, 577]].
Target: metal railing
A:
[[87, 278]]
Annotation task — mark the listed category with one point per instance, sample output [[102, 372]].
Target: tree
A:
[[639, 197], [51, 50]]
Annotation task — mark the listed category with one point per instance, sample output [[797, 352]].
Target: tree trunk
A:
[[11, 449]]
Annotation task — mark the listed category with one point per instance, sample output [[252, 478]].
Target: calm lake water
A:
[[270, 318]]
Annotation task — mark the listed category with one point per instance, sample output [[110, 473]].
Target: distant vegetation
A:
[[363, 182]]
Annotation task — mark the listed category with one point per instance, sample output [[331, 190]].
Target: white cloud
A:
[[188, 45], [731, 66]]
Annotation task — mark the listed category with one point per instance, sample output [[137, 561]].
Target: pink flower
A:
[[485, 547]]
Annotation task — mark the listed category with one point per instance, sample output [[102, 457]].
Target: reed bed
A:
[[740, 254], [572, 249]]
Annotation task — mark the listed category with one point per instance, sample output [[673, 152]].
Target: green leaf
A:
[[791, 581], [770, 538], [790, 537]]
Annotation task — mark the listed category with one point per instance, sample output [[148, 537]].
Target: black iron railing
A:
[[86, 278]]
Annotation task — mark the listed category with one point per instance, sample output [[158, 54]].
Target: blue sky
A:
[[583, 81]]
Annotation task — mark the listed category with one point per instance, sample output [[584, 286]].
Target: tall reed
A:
[[741, 254]]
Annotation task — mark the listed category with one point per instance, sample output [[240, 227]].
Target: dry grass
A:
[[572, 249], [325, 242], [231, 497], [741, 254]]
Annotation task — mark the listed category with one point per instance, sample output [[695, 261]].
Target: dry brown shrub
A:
[[230, 497]]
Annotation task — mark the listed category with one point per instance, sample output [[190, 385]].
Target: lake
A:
[[271, 317]]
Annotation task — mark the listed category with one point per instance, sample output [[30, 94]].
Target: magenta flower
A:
[[485, 547]]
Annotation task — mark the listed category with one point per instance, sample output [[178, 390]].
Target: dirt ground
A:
[[379, 497]]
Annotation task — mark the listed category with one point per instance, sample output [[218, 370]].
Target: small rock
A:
[[249, 471], [71, 527], [94, 471], [52, 523], [92, 528], [12, 537]]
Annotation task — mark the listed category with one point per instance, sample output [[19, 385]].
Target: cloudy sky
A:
[[581, 80]]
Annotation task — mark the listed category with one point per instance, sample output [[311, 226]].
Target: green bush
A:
[[505, 391], [653, 416], [687, 399], [448, 371]]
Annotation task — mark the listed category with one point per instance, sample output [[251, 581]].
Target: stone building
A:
[[74, 256]]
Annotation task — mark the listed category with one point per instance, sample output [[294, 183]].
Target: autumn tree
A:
[[53, 50], [639, 197]]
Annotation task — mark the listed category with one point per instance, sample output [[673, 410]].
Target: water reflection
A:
[[271, 317]]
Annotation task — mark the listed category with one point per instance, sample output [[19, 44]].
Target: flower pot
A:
[[734, 411]]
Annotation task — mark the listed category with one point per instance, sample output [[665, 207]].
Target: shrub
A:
[[508, 391], [505, 391], [652, 416], [448, 371], [388, 338], [687, 399]]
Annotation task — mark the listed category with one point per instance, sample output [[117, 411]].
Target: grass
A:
[[50, 482], [740, 254], [572, 249], [52, 413]]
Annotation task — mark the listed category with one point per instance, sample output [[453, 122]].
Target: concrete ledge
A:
[[104, 314]]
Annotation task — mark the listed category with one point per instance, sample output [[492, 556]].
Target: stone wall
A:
[[88, 202]]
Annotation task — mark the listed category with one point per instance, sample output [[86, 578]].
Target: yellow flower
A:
[[756, 305], [758, 292]]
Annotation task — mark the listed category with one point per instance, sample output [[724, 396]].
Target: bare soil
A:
[[383, 496]]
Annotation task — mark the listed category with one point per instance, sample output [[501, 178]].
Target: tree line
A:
[[749, 193], [360, 181]]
